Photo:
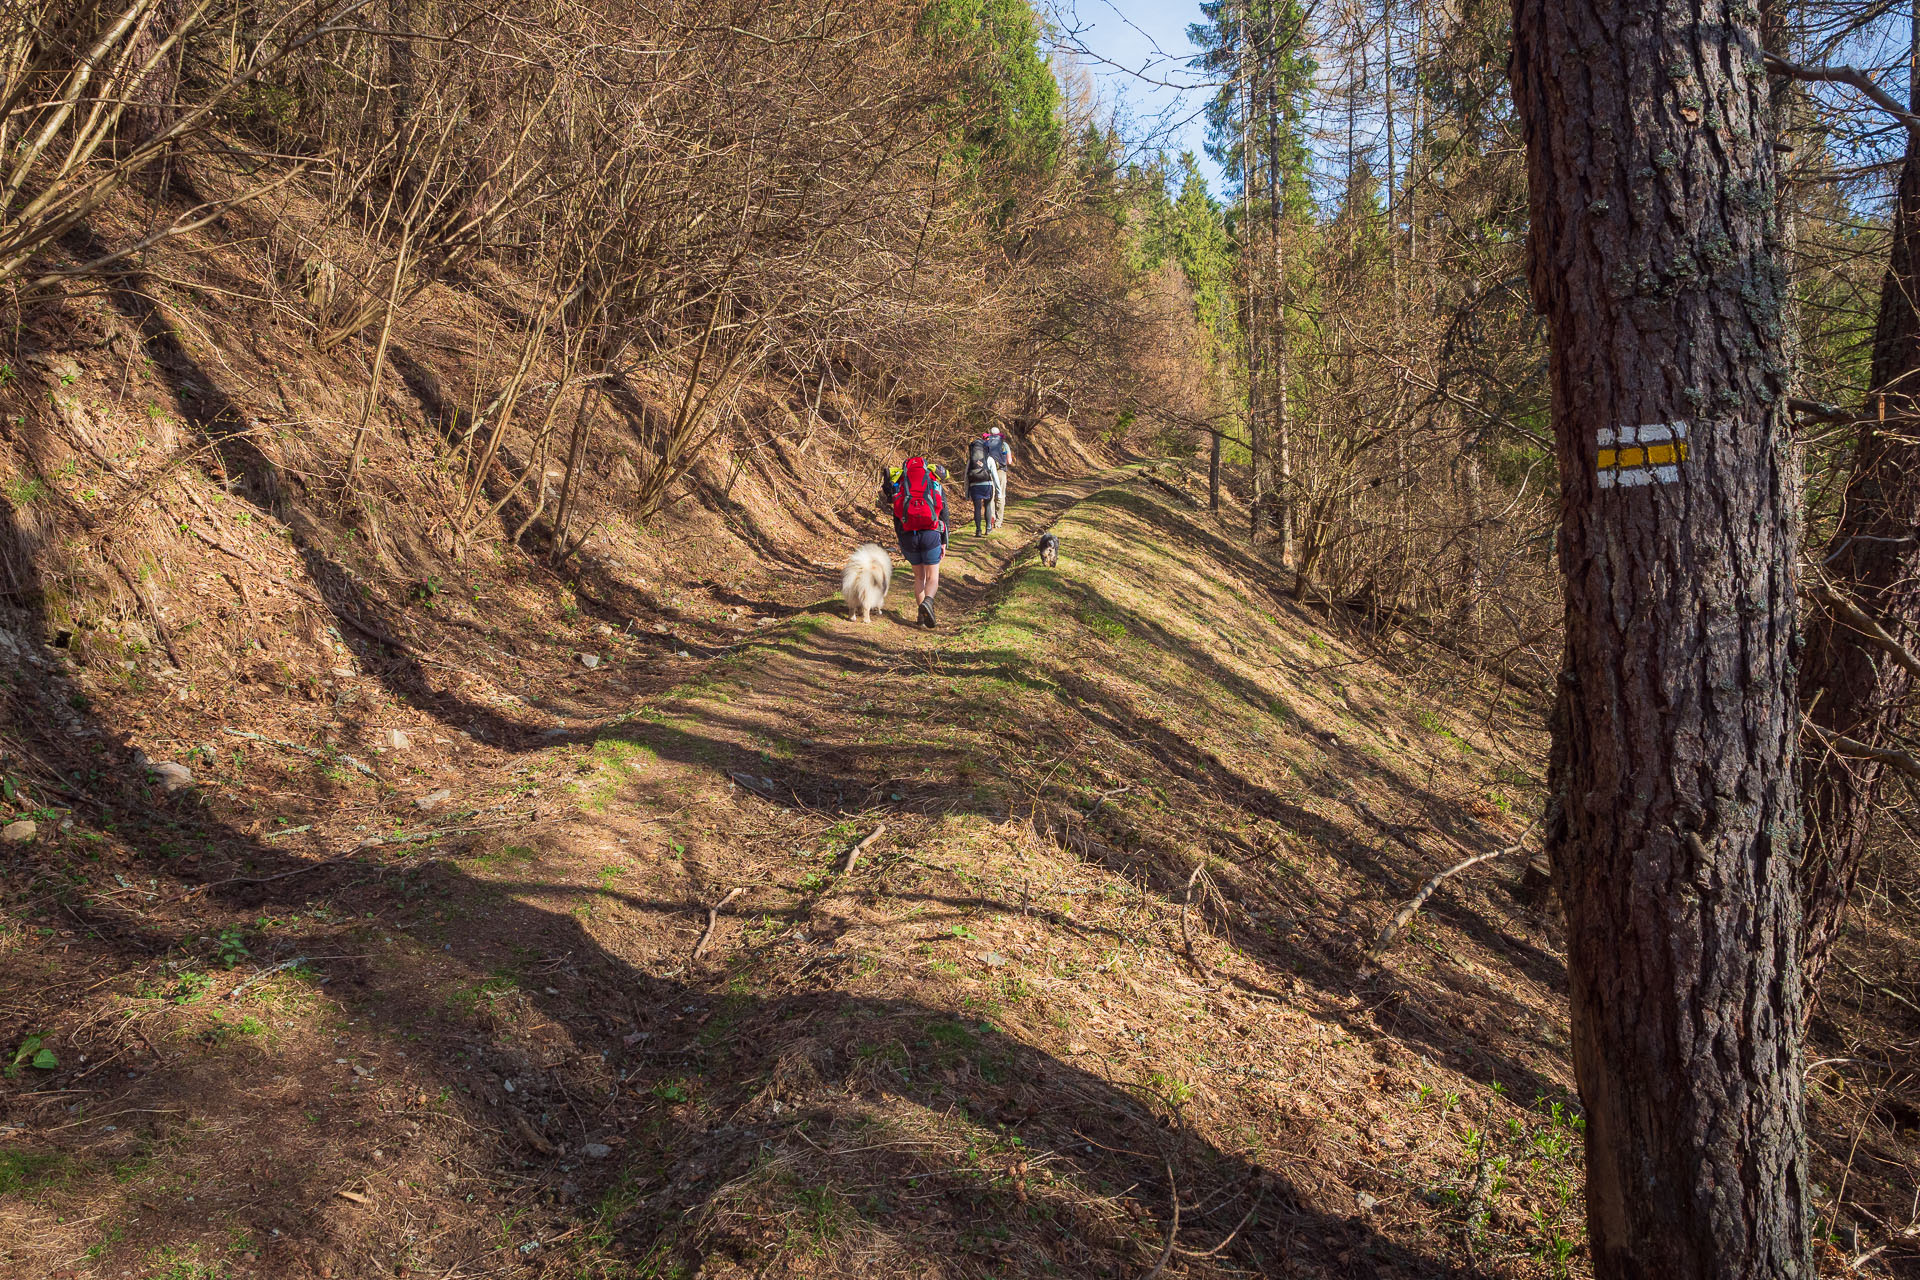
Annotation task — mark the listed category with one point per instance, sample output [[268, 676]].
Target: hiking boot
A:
[[926, 613]]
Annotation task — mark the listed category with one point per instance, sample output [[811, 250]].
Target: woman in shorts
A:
[[923, 549]]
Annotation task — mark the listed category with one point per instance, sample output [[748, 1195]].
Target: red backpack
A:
[[917, 501]]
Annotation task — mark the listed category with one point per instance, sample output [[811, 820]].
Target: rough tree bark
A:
[[152, 94], [1678, 825], [1852, 686]]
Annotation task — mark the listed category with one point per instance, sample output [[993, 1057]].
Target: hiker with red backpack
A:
[[920, 514]]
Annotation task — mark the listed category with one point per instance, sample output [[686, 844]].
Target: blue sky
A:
[[1137, 53]]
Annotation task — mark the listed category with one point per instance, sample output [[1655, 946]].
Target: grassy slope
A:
[[1142, 817], [997, 1047]]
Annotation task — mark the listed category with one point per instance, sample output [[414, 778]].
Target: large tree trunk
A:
[[1854, 687], [1677, 810]]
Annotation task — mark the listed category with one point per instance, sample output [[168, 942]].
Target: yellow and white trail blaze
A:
[[1632, 456]]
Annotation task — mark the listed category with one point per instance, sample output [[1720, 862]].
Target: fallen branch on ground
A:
[[713, 919], [1185, 936], [1173, 1227], [297, 871], [265, 973], [1413, 904], [534, 1138], [1397, 831], [1479, 1197], [853, 854], [315, 752]]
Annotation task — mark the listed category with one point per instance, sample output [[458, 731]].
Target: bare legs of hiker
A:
[[926, 585]]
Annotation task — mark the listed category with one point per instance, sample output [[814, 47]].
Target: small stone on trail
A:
[[394, 740], [595, 1150], [603, 630], [1366, 1202], [18, 832], [173, 776], [433, 799], [993, 960], [589, 660]]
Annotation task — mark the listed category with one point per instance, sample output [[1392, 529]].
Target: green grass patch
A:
[[24, 1171]]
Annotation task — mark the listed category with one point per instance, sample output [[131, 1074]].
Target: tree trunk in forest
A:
[[1251, 294], [1466, 614], [1776, 37], [1213, 473], [400, 68], [1279, 481], [153, 98], [1280, 439], [1677, 809], [1854, 687], [576, 458]]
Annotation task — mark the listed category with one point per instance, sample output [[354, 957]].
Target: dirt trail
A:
[[802, 685], [582, 984], [1139, 817]]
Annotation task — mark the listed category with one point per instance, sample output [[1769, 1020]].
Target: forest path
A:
[[1010, 974], [862, 949], [802, 700], [815, 681]]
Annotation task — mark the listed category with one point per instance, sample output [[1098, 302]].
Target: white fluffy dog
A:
[[864, 584]]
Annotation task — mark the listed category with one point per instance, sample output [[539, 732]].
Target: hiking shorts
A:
[[921, 546]]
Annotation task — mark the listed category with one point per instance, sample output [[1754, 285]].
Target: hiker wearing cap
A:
[[1001, 454], [920, 514]]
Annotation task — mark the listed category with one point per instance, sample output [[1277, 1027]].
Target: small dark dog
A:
[[1049, 550]]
